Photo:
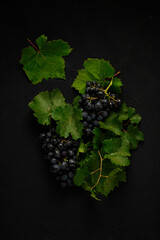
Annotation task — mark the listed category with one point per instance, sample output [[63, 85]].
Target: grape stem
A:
[[110, 84], [117, 73], [33, 45]]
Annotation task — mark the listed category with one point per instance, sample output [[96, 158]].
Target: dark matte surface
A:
[[33, 207]]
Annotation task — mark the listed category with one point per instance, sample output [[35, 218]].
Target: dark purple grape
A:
[[64, 165], [93, 116], [85, 115], [94, 83], [53, 161], [100, 118], [64, 153], [89, 119], [71, 161], [60, 146], [64, 177], [49, 146], [85, 124], [57, 153], [98, 106], [55, 168], [89, 106], [88, 131], [42, 136], [100, 94], [46, 140], [70, 153], [96, 123], [88, 84], [48, 134], [71, 174], [49, 155], [104, 101]]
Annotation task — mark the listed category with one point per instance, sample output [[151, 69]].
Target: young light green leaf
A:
[[68, 121], [45, 61], [44, 105]]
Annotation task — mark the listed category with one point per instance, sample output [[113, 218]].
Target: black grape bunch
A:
[[61, 152], [95, 105]]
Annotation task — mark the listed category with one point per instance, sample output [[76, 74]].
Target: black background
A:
[[32, 206]]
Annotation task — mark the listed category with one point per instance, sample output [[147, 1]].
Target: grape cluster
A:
[[95, 105], [61, 152]]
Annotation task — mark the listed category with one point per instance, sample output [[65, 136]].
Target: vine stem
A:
[[117, 73], [33, 45]]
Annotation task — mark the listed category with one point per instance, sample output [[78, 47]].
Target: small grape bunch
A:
[[95, 105], [61, 152]]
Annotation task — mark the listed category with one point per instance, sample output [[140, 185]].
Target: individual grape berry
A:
[[88, 84], [49, 155], [100, 94], [93, 116], [53, 161], [100, 118], [64, 177], [57, 153], [85, 124], [84, 115], [42, 136], [48, 134], [55, 168], [105, 114], [96, 123], [70, 153], [64, 165], [98, 106], [49, 146]]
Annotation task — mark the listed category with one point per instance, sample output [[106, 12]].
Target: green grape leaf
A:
[[97, 139], [107, 184], [112, 124], [88, 175], [68, 121], [80, 175], [76, 101], [94, 70], [125, 113], [45, 61], [118, 150], [44, 105], [136, 118], [134, 135]]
